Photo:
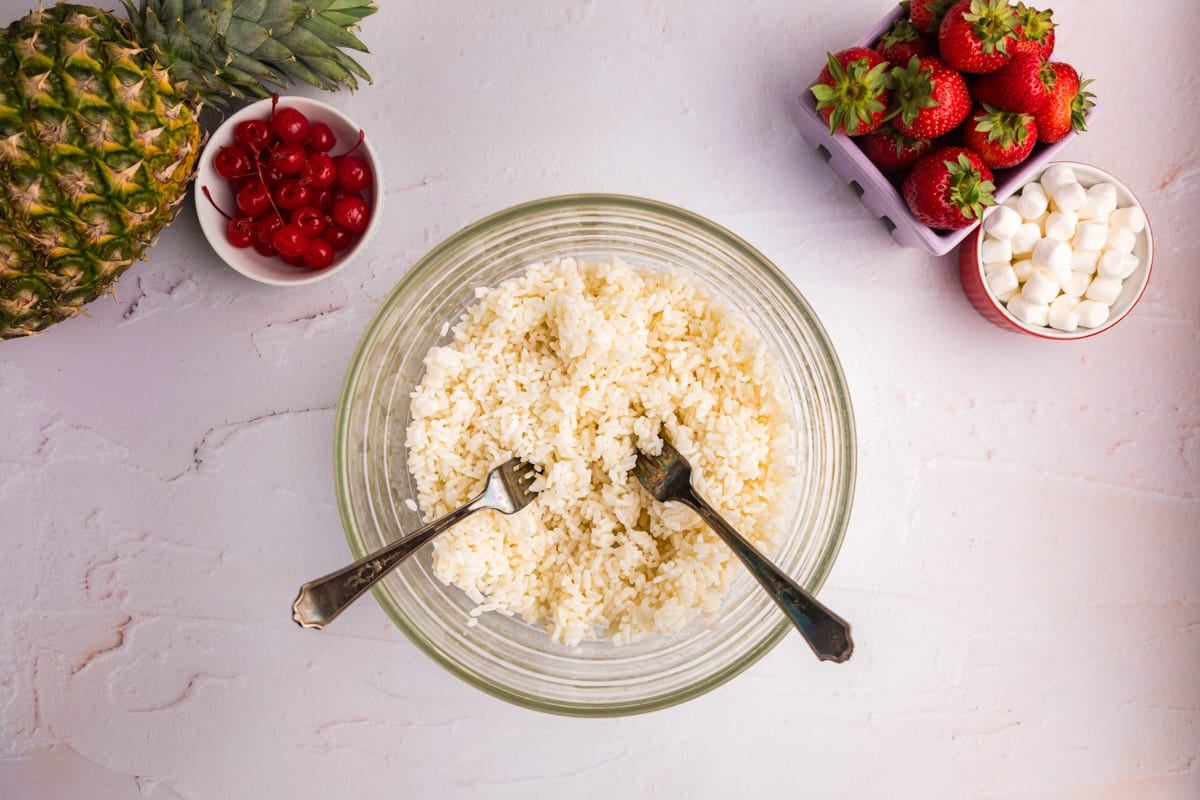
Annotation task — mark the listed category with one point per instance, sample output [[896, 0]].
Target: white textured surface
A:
[[1022, 566]]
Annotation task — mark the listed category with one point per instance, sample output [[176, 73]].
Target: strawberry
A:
[[1066, 110], [1023, 84], [948, 188], [903, 41], [1001, 138], [928, 98], [891, 150], [926, 15], [1035, 32], [852, 91], [975, 35]]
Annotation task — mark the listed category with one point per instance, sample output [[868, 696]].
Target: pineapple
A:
[[99, 127]]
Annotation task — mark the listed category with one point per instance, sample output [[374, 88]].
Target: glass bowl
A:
[[503, 655]]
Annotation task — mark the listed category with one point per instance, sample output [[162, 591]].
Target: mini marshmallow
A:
[[1129, 264], [1040, 289], [1027, 312], [995, 251], [1121, 239], [1116, 265], [1061, 273], [1084, 261], [1037, 315], [1052, 254], [1130, 217], [1109, 264], [1091, 314], [1009, 295], [1102, 200], [1011, 201], [1061, 225], [1016, 305], [1024, 268], [1002, 282], [1076, 284], [1064, 302], [1103, 290], [1056, 176], [1002, 222], [1091, 235], [1023, 241], [1069, 197], [988, 269], [1063, 320], [1033, 202], [1093, 208]]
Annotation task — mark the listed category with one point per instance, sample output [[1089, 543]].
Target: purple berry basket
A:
[[879, 194]]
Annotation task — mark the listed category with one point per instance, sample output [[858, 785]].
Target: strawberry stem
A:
[[969, 190], [994, 22]]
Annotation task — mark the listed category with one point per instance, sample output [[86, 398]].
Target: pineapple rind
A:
[[96, 149]]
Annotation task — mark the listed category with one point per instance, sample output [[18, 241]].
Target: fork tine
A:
[[519, 477], [667, 476], [647, 461], [643, 465], [526, 475]]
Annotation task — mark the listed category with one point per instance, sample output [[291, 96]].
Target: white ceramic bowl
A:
[[271, 269], [975, 285]]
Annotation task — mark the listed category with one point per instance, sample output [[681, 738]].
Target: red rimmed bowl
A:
[[971, 268]]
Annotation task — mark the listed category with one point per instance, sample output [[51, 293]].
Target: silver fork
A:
[[669, 477], [508, 490]]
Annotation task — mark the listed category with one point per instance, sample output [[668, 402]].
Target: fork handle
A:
[[320, 601], [826, 633]]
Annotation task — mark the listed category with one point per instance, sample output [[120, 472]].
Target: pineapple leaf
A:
[[259, 71], [249, 48], [332, 33], [352, 65], [303, 71], [204, 22], [153, 27], [282, 15], [257, 74], [349, 6], [222, 10], [304, 43], [251, 9], [345, 19], [329, 67], [245, 37]]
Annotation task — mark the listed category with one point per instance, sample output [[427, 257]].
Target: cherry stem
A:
[[220, 210], [362, 135], [258, 168]]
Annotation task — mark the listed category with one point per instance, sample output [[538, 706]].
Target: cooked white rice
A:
[[572, 367]]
